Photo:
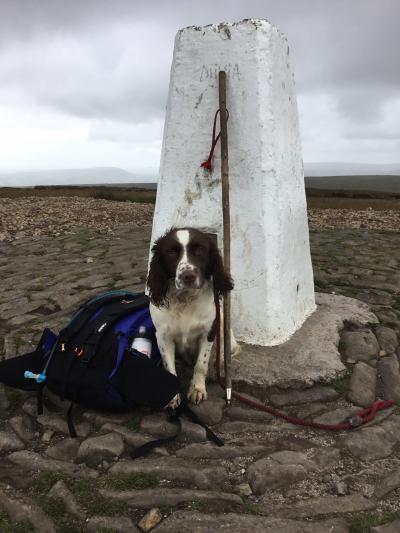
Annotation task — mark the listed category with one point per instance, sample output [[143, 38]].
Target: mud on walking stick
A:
[[223, 117]]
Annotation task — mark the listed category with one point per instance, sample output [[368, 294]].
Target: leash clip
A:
[[355, 421]]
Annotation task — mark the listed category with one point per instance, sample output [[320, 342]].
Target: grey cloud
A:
[[110, 60]]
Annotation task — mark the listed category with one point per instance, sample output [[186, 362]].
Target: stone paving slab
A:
[[311, 355]]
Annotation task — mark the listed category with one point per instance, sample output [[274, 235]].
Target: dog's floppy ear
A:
[[157, 279], [223, 283]]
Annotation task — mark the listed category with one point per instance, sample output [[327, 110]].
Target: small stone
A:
[[9, 442], [284, 468], [61, 491], [30, 407], [25, 510], [192, 432], [150, 520], [89, 260], [94, 450], [387, 339], [341, 488], [133, 438], [389, 371], [373, 442], [362, 386], [244, 489], [359, 345], [35, 462], [211, 411], [47, 435], [23, 427], [317, 393], [65, 450], [387, 484], [158, 425]]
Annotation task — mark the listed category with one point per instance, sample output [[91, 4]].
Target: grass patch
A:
[[133, 424], [14, 396], [54, 507], [71, 525], [341, 385], [43, 482], [363, 522], [197, 505], [85, 492], [122, 196], [8, 526], [37, 288], [250, 508], [129, 482]]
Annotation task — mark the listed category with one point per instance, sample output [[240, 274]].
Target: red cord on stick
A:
[[207, 164], [360, 419]]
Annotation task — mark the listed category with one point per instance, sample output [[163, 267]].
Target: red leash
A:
[[359, 419]]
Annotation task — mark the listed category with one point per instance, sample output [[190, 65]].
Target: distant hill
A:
[[350, 169], [379, 183], [75, 176]]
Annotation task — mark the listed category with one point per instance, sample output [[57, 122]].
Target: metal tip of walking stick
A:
[[228, 396]]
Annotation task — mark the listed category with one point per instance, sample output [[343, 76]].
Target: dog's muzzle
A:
[[188, 277]]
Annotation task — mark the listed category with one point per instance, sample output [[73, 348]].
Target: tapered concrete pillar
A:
[[270, 257]]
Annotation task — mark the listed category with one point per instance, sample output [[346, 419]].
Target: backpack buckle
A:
[[79, 351]]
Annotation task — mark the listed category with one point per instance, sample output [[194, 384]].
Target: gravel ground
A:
[[32, 216]]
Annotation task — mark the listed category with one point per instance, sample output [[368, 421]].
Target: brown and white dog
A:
[[186, 272]]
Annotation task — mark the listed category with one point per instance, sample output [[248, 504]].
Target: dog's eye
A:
[[172, 252], [199, 250]]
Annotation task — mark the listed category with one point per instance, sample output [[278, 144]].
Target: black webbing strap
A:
[[194, 418], [39, 399], [71, 427], [174, 417], [75, 399], [143, 450]]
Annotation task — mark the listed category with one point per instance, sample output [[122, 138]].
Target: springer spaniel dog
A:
[[186, 274]]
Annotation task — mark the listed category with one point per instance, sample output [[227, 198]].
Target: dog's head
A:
[[186, 258]]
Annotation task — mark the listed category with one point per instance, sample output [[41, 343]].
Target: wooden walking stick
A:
[[226, 230]]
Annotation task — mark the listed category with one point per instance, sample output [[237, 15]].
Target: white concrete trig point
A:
[[270, 255]]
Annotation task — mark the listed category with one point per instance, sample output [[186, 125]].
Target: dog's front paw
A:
[[175, 402], [197, 394]]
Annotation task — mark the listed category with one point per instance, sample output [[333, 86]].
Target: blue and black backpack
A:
[[90, 362]]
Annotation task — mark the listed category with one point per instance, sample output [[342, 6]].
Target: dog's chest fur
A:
[[188, 315]]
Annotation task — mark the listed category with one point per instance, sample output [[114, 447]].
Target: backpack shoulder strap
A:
[[88, 309], [91, 334]]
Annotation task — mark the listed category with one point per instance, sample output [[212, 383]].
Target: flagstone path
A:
[[269, 477]]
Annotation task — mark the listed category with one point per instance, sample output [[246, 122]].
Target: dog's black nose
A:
[[188, 277]]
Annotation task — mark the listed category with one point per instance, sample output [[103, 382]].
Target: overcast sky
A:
[[84, 83]]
